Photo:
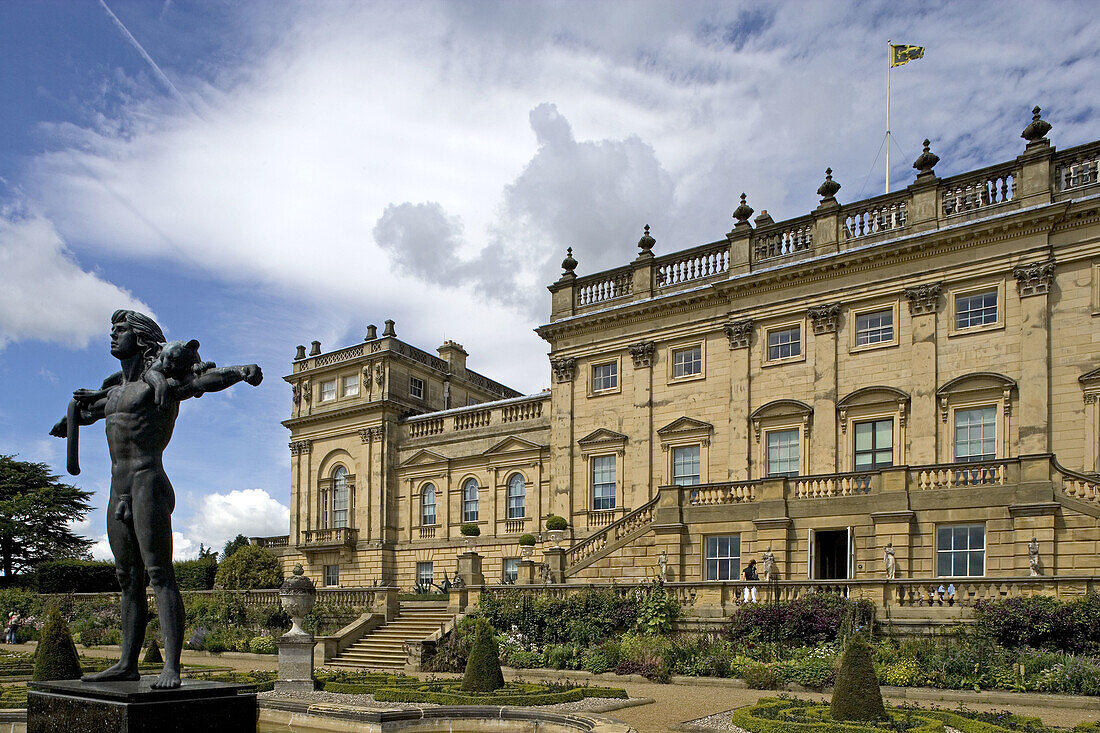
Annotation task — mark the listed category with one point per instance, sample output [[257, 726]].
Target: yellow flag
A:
[[903, 54]]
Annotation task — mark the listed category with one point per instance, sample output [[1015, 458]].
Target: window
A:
[[516, 494], [685, 465], [416, 388], [605, 376], [340, 497], [960, 550], [332, 575], [976, 309], [510, 569], [976, 434], [723, 557], [427, 505], [784, 343], [469, 500], [603, 482], [783, 452], [874, 444], [351, 386], [875, 328], [424, 574], [328, 390], [687, 362]]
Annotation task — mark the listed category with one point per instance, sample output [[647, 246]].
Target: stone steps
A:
[[384, 648]]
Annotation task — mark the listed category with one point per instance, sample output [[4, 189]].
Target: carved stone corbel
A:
[[825, 318], [1034, 278], [642, 353], [565, 369], [923, 299], [300, 447], [739, 333]]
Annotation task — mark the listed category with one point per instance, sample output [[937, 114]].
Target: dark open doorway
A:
[[831, 554]]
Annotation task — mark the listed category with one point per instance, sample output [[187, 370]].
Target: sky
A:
[[258, 175]]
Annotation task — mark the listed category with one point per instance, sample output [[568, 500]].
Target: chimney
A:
[[372, 333], [300, 353], [453, 353], [316, 348], [388, 331]]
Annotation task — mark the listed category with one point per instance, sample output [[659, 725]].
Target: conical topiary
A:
[[56, 657], [856, 695], [152, 652], [483, 665]]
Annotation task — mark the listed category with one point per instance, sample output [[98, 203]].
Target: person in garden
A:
[[13, 626], [750, 574]]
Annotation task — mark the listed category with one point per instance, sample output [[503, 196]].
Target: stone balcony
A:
[[329, 539]]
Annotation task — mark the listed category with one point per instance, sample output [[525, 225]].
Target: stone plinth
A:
[[525, 575], [469, 569], [295, 663], [73, 706]]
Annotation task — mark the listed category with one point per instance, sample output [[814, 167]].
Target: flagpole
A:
[[889, 66]]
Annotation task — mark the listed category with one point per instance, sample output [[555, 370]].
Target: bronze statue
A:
[[139, 405]]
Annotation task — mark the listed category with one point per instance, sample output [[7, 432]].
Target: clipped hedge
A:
[[776, 715], [77, 576], [448, 693], [56, 657], [196, 574], [856, 694], [483, 666]]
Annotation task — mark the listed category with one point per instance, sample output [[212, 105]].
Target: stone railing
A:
[[723, 493], [954, 475], [970, 192], [514, 526], [783, 239], [333, 357], [693, 264], [875, 216], [611, 533], [270, 543], [331, 537], [1076, 485], [427, 533], [1077, 168], [458, 419], [968, 591], [821, 487], [605, 286]]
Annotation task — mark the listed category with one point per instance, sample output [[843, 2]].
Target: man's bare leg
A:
[[170, 611], [135, 613], [152, 507]]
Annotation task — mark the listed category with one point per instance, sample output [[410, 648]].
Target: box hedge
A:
[[77, 576]]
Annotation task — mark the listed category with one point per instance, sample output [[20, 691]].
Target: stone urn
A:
[[297, 596], [526, 550], [555, 536]]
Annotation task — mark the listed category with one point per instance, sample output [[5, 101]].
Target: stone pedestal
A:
[[555, 558], [469, 569], [295, 663], [73, 706]]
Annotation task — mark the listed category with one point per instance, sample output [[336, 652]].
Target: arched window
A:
[[469, 500], [516, 495], [427, 505], [340, 497]]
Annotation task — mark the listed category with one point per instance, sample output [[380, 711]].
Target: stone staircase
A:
[[384, 648]]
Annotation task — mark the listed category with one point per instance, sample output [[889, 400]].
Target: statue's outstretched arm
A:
[[219, 378], [90, 405]]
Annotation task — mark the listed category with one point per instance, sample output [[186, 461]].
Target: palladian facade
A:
[[893, 395]]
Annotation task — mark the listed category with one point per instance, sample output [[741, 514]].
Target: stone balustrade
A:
[[876, 216], [695, 264], [271, 542], [954, 475], [1077, 168], [610, 286], [783, 239], [723, 493], [472, 419], [459, 419], [331, 537], [821, 487], [963, 194]]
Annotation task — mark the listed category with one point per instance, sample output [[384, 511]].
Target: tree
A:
[[483, 665], [56, 657], [36, 512], [233, 545], [856, 694], [248, 568]]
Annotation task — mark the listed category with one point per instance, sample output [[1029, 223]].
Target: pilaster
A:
[[561, 435], [893, 529], [643, 354], [923, 427], [739, 333], [1033, 283], [825, 320]]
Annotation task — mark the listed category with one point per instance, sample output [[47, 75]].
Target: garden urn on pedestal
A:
[[297, 596]]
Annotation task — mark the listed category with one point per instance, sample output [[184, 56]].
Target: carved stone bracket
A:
[[642, 353], [565, 369], [297, 391], [825, 318], [739, 333], [300, 447], [379, 374], [366, 435], [1034, 278], [923, 299]]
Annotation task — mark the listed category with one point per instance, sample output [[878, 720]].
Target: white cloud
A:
[[221, 517], [44, 294]]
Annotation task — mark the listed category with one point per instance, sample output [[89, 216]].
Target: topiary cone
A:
[[483, 666], [856, 695], [56, 657], [152, 652]]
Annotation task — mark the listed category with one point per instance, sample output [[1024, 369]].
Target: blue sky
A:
[[258, 175]]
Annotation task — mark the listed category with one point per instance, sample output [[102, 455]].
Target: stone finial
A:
[[1037, 130], [315, 348], [828, 189], [372, 333], [569, 263], [389, 329], [743, 212], [927, 160], [300, 353], [646, 242]]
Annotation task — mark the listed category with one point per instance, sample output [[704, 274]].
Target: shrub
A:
[[760, 676], [451, 654], [196, 574], [263, 645], [483, 667], [249, 568], [809, 620], [527, 540], [152, 652], [556, 523], [56, 657], [856, 695], [1042, 622], [470, 529], [657, 609], [603, 658], [586, 618], [76, 576]]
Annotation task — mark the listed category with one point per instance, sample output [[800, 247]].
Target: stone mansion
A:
[[914, 376]]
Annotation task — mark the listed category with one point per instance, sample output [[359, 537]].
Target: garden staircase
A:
[[384, 648]]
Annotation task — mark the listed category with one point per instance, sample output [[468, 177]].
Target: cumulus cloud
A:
[[221, 517], [44, 293]]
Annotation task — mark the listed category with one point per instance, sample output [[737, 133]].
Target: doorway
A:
[[830, 554]]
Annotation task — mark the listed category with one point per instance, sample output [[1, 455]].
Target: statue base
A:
[[135, 707], [295, 663]]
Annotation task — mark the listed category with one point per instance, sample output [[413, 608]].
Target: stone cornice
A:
[[902, 515], [1033, 510]]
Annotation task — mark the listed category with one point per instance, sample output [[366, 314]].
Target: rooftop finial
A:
[[646, 242], [1037, 130], [927, 160], [828, 189], [569, 263], [743, 212]]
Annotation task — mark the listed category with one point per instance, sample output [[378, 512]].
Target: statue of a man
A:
[[767, 564], [139, 511], [891, 562], [1033, 556], [662, 566]]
